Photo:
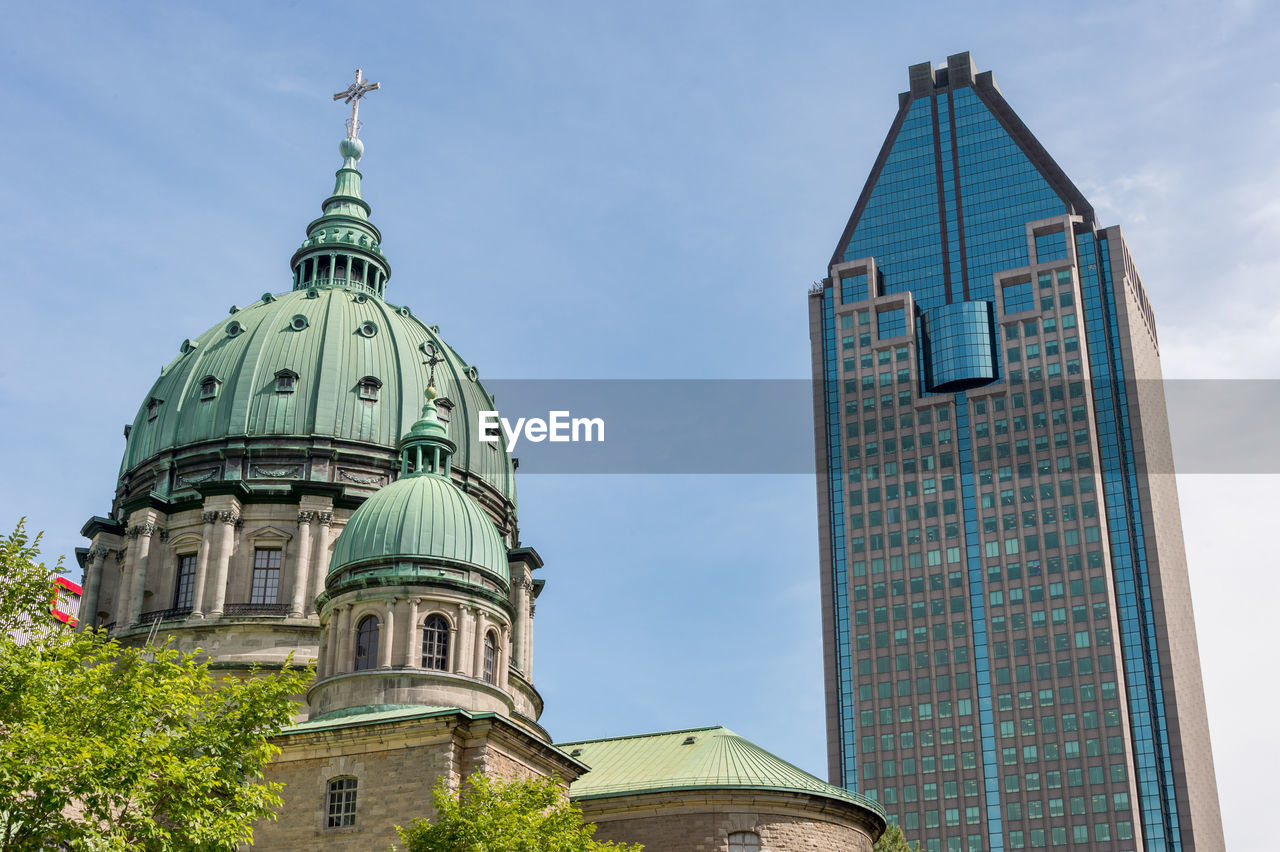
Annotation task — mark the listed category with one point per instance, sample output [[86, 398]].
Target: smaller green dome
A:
[[416, 517]]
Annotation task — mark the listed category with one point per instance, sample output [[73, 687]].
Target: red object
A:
[[65, 592]]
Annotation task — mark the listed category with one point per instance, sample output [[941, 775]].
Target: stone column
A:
[[478, 641], [520, 605], [322, 653], [528, 642], [141, 534], [387, 635], [503, 663], [92, 583], [465, 628], [202, 565], [455, 653], [319, 557], [125, 559], [412, 644], [302, 566], [225, 550], [343, 646]]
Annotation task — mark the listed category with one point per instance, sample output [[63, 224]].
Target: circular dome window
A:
[[234, 328], [472, 373], [267, 298], [313, 293], [299, 322], [359, 298], [367, 329], [186, 346], [427, 348], [404, 311]]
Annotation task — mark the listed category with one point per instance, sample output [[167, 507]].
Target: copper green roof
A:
[[423, 516], [332, 339], [343, 229], [373, 714], [333, 331], [712, 758]]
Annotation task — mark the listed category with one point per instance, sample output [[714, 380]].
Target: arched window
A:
[[367, 643], [435, 643], [744, 841], [490, 657], [342, 802]]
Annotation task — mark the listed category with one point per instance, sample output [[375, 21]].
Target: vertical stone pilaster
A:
[[528, 644], [322, 654], [502, 664], [302, 566], [388, 635], [319, 556], [225, 550], [202, 564], [520, 606], [478, 641], [412, 644], [141, 534], [92, 585], [344, 660]]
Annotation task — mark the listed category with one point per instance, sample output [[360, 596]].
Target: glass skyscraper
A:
[[1009, 646]]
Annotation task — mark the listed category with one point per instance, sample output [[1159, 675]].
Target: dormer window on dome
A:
[[209, 388], [286, 381], [153, 408], [369, 387]]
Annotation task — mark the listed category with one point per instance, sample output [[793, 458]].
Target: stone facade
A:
[[396, 759], [701, 821]]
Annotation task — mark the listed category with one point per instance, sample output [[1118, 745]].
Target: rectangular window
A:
[[891, 323], [266, 576], [853, 288], [185, 584], [342, 802], [1018, 297]]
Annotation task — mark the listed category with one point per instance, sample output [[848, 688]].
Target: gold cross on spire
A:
[[352, 95]]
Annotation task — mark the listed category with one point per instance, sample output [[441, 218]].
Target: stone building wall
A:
[[702, 821], [396, 764]]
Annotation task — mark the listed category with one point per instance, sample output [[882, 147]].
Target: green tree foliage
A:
[[893, 840], [504, 816], [104, 747]]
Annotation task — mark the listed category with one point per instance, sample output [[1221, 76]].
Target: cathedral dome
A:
[[324, 361], [329, 368], [417, 517]]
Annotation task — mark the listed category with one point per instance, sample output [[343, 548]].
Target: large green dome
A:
[[420, 517], [316, 384], [332, 339]]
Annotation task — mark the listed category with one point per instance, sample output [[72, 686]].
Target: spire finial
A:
[[352, 95], [433, 358]]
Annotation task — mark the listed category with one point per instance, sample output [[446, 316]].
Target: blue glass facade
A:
[[958, 346], [981, 619]]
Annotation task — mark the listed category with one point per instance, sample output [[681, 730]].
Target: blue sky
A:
[[607, 191]]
